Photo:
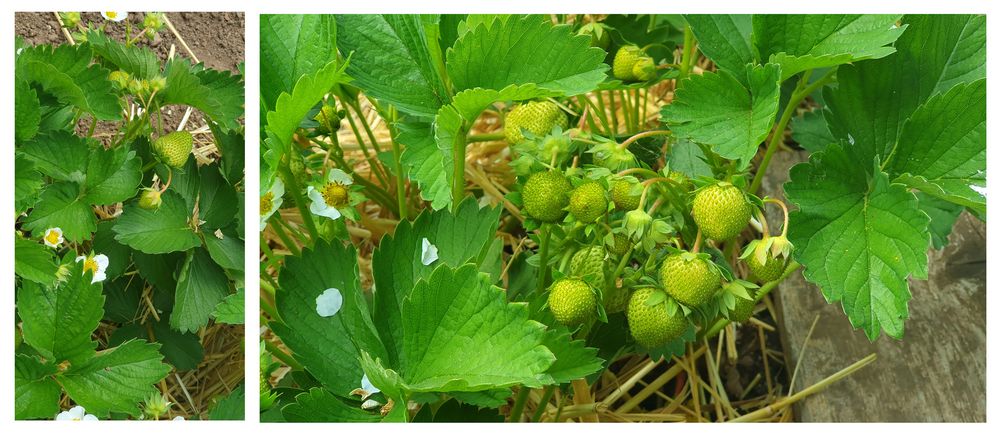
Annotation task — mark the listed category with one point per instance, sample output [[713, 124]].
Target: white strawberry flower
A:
[[270, 201], [116, 16], [428, 252], [329, 302], [328, 200], [178, 418], [53, 237], [77, 413], [367, 390], [96, 264]]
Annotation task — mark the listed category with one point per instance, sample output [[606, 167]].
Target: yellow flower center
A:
[[52, 237], [266, 203], [89, 264], [335, 195], [111, 15]]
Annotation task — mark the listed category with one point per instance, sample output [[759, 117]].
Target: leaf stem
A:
[[778, 135], [485, 137], [686, 53], [546, 396], [519, 401], [543, 265], [458, 161], [300, 202]]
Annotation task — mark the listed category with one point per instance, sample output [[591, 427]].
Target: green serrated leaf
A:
[[163, 230], [319, 405], [725, 39], [66, 72], [231, 407], [181, 350], [942, 147], [227, 250], [394, 61], [138, 61], [216, 199], [573, 359], [119, 256], [116, 379], [218, 94], [305, 42], [811, 132], [36, 393], [716, 109], [60, 155], [201, 285], [112, 175], [943, 215], [804, 42], [507, 53], [61, 205], [230, 310], [459, 236], [27, 112], [58, 321], [27, 183], [34, 261], [860, 239], [460, 334]]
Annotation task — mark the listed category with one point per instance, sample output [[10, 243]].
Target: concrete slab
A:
[[936, 373]]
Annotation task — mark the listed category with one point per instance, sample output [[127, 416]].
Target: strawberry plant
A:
[[463, 224], [128, 244]]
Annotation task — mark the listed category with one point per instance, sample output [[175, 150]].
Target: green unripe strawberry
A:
[[150, 199], [537, 117], [119, 79], [744, 308], [690, 279], [174, 148], [588, 202], [572, 302], [545, 196], [651, 326], [721, 211], [599, 35], [621, 244], [625, 59], [328, 119], [769, 271], [644, 69], [622, 197], [589, 262]]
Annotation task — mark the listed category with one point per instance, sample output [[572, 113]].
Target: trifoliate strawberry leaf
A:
[[323, 344], [507, 53], [112, 175], [805, 42], [60, 155], [201, 285], [942, 147], [231, 407], [67, 73], [62, 205], [860, 238], [116, 379], [36, 393], [319, 405], [216, 199], [934, 54], [34, 261], [27, 183], [725, 39], [460, 334], [58, 321], [460, 237], [218, 94], [183, 351], [290, 109], [574, 360], [395, 60], [717, 110], [230, 310], [27, 111], [139, 62], [305, 43], [163, 230]]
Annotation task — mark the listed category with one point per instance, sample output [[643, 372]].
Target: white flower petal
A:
[[115, 16], [367, 386], [53, 233], [329, 302], [178, 418], [428, 252], [80, 258], [370, 404], [89, 417], [76, 413], [339, 176]]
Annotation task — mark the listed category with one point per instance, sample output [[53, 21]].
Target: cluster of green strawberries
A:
[[613, 256]]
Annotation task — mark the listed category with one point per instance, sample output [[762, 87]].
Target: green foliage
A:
[[116, 260]]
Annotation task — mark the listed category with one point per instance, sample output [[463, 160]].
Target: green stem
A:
[[287, 240], [283, 356], [372, 162], [686, 53], [296, 191], [397, 155], [271, 259], [543, 265], [546, 396], [149, 166], [778, 135], [485, 137], [522, 398], [614, 113]]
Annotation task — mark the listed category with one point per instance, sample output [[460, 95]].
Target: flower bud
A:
[[150, 199], [637, 222]]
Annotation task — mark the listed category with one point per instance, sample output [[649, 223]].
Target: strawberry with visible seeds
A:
[[174, 148], [651, 325], [690, 278], [572, 302], [721, 211], [537, 117], [545, 196], [588, 202]]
